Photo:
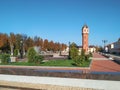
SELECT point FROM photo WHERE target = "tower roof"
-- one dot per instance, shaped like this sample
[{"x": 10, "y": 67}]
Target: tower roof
[{"x": 85, "y": 26}]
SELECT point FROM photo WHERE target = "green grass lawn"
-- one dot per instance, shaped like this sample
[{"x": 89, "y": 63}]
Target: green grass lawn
[
  {"x": 68, "y": 63},
  {"x": 62, "y": 63}
]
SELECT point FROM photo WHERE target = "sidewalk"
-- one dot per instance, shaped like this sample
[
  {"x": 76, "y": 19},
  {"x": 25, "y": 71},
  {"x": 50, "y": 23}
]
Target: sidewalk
[
  {"x": 52, "y": 83},
  {"x": 102, "y": 64}
]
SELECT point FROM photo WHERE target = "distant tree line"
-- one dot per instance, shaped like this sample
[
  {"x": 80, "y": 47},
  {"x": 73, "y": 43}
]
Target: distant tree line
[{"x": 8, "y": 41}]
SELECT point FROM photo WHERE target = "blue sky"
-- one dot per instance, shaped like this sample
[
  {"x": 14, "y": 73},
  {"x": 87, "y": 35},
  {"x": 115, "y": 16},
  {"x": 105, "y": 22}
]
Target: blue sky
[{"x": 62, "y": 20}]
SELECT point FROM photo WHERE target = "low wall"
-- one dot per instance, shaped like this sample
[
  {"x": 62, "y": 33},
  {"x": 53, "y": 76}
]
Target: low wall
[{"x": 62, "y": 73}]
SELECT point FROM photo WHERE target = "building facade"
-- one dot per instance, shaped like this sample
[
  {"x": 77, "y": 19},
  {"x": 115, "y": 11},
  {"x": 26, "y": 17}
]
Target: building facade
[
  {"x": 91, "y": 49},
  {"x": 113, "y": 47}
]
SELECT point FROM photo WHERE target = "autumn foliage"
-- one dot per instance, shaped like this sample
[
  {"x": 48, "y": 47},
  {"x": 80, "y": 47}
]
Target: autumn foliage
[{"x": 8, "y": 41}]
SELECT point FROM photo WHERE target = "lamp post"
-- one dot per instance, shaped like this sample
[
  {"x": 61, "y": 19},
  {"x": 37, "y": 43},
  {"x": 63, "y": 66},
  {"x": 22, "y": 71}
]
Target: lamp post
[
  {"x": 60, "y": 49},
  {"x": 69, "y": 51},
  {"x": 104, "y": 41},
  {"x": 21, "y": 49},
  {"x": 12, "y": 47}
]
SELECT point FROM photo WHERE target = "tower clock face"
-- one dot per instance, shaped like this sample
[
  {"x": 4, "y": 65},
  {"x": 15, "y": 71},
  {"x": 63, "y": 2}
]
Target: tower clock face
[{"x": 85, "y": 31}]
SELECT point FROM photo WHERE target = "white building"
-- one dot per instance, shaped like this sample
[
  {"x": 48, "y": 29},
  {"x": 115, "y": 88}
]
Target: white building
[
  {"x": 91, "y": 48},
  {"x": 114, "y": 47}
]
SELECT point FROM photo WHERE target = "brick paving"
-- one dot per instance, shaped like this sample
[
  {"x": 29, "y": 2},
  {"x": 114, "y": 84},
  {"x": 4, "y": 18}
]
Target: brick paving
[
  {"x": 102, "y": 65},
  {"x": 97, "y": 55}
]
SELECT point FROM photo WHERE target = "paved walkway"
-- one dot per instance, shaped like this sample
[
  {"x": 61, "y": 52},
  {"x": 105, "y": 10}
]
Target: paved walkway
[
  {"x": 68, "y": 83},
  {"x": 102, "y": 64}
]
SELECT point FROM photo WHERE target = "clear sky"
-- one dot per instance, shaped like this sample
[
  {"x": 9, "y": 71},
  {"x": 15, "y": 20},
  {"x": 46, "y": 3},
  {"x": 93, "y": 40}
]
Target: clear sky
[{"x": 62, "y": 20}]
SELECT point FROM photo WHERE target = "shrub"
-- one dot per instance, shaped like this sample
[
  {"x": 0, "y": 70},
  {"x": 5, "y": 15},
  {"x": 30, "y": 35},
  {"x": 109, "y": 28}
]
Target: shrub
[
  {"x": 31, "y": 54},
  {"x": 78, "y": 60},
  {"x": 82, "y": 52},
  {"x": 87, "y": 57},
  {"x": 73, "y": 52},
  {"x": 90, "y": 54},
  {"x": 0, "y": 56},
  {"x": 38, "y": 59},
  {"x": 5, "y": 58},
  {"x": 15, "y": 52}
]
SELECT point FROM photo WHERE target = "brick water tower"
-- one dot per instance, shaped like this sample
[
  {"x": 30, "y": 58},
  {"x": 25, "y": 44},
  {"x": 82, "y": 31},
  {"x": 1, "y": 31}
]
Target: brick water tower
[{"x": 85, "y": 32}]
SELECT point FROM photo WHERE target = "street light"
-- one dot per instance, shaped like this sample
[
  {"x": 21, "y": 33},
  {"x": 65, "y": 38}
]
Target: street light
[
  {"x": 60, "y": 47},
  {"x": 12, "y": 47},
  {"x": 69, "y": 51},
  {"x": 21, "y": 49},
  {"x": 104, "y": 41}
]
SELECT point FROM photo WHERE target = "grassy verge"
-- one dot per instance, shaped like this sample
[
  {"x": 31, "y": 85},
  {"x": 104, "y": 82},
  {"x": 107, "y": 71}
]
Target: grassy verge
[{"x": 63, "y": 63}]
